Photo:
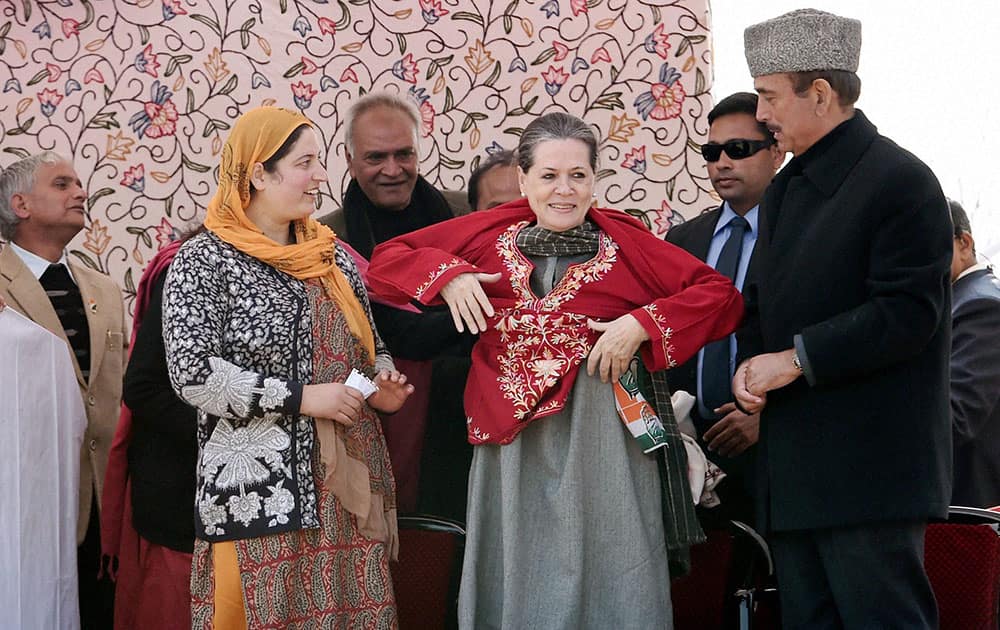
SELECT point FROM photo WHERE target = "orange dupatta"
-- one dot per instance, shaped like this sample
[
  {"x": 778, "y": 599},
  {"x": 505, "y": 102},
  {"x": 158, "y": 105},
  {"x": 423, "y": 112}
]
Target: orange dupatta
[{"x": 254, "y": 138}]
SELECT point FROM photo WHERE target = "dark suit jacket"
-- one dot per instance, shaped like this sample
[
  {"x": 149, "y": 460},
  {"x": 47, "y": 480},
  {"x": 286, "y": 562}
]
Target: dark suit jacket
[
  {"x": 975, "y": 388},
  {"x": 695, "y": 236},
  {"x": 854, "y": 255}
]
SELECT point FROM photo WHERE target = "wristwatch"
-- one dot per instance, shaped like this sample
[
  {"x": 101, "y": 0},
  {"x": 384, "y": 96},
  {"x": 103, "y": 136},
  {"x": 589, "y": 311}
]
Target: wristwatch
[{"x": 796, "y": 362}]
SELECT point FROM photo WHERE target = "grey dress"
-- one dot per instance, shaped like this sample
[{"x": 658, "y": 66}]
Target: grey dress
[{"x": 565, "y": 528}]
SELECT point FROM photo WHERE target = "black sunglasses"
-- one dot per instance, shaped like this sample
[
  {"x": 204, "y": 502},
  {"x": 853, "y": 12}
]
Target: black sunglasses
[{"x": 736, "y": 149}]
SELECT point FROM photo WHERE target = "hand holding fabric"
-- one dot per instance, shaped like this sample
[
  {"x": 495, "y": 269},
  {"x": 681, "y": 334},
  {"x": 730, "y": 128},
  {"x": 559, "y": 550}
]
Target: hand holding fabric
[
  {"x": 616, "y": 346},
  {"x": 468, "y": 302},
  {"x": 734, "y": 433},
  {"x": 393, "y": 390},
  {"x": 332, "y": 401}
]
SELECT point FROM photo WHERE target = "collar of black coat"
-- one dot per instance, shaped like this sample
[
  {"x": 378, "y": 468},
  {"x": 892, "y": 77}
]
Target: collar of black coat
[
  {"x": 369, "y": 225},
  {"x": 828, "y": 162}
]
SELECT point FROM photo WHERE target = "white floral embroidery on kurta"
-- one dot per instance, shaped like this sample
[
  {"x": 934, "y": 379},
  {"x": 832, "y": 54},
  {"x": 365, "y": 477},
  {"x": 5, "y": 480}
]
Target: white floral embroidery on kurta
[
  {"x": 212, "y": 515},
  {"x": 273, "y": 394},
  {"x": 227, "y": 387},
  {"x": 238, "y": 451},
  {"x": 279, "y": 505},
  {"x": 244, "y": 507}
]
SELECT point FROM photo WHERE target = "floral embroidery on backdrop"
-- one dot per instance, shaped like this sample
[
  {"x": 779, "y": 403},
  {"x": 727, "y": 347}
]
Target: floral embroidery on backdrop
[{"x": 141, "y": 93}]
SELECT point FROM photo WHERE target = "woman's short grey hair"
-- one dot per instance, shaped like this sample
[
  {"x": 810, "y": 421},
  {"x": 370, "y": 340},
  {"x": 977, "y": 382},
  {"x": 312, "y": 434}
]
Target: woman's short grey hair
[
  {"x": 554, "y": 126},
  {"x": 374, "y": 100},
  {"x": 17, "y": 178}
]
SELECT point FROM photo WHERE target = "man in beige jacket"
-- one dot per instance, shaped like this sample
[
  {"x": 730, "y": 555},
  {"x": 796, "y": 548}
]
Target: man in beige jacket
[{"x": 42, "y": 208}]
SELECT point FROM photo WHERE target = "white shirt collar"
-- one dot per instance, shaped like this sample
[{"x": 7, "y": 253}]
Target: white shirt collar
[
  {"x": 974, "y": 268},
  {"x": 36, "y": 264}
]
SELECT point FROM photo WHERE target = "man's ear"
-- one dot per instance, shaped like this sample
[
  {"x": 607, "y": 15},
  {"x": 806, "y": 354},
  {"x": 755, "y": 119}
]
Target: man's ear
[
  {"x": 968, "y": 245},
  {"x": 350, "y": 164},
  {"x": 825, "y": 96},
  {"x": 20, "y": 206},
  {"x": 777, "y": 157}
]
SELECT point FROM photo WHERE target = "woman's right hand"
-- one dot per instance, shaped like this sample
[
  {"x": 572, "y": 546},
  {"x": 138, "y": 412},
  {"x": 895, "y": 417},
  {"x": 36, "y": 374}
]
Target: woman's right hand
[
  {"x": 332, "y": 401},
  {"x": 467, "y": 301}
]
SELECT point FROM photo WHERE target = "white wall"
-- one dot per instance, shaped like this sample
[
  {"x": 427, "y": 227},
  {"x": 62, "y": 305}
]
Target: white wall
[{"x": 930, "y": 81}]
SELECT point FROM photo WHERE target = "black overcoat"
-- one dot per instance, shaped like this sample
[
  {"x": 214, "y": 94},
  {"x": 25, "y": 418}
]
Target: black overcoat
[{"x": 854, "y": 255}]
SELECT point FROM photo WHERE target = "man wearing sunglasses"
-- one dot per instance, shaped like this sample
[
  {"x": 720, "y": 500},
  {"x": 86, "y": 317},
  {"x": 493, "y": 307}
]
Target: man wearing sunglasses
[
  {"x": 975, "y": 370},
  {"x": 850, "y": 308},
  {"x": 741, "y": 158}
]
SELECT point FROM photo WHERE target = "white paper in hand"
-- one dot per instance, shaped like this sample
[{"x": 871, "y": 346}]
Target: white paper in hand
[{"x": 362, "y": 383}]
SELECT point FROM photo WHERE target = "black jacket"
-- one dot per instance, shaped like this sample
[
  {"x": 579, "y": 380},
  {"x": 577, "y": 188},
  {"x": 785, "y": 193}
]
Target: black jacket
[
  {"x": 164, "y": 449},
  {"x": 975, "y": 388},
  {"x": 854, "y": 255}
]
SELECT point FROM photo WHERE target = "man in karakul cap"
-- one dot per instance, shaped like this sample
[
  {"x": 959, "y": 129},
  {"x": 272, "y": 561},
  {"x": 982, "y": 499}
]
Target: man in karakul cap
[{"x": 849, "y": 339}]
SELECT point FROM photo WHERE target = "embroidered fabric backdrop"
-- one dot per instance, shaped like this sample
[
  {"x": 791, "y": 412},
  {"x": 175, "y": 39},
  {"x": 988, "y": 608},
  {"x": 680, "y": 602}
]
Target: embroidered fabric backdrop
[{"x": 141, "y": 93}]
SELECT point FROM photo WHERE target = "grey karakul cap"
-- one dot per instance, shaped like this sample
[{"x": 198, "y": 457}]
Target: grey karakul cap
[{"x": 802, "y": 41}]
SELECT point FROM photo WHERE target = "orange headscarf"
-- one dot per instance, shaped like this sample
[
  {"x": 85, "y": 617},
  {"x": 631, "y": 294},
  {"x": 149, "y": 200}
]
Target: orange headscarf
[{"x": 255, "y": 138}]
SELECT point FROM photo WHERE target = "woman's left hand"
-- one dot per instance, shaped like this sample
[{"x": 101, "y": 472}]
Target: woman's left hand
[
  {"x": 393, "y": 391},
  {"x": 615, "y": 348}
]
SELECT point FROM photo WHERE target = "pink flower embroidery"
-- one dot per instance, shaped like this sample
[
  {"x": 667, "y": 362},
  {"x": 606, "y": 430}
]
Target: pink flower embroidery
[
  {"x": 302, "y": 94},
  {"x": 327, "y": 26},
  {"x": 666, "y": 218},
  {"x": 308, "y": 65},
  {"x": 70, "y": 27},
  {"x": 601, "y": 54},
  {"x": 49, "y": 99},
  {"x": 656, "y": 42},
  {"x": 636, "y": 160},
  {"x": 663, "y": 100},
  {"x": 172, "y": 8},
  {"x": 146, "y": 61},
  {"x": 135, "y": 178},
  {"x": 93, "y": 76},
  {"x": 165, "y": 233},
  {"x": 158, "y": 117},
  {"x": 406, "y": 69},
  {"x": 431, "y": 10},
  {"x": 54, "y": 72},
  {"x": 554, "y": 79},
  {"x": 578, "y": 6},
  {"x": 561, "y": 50}
]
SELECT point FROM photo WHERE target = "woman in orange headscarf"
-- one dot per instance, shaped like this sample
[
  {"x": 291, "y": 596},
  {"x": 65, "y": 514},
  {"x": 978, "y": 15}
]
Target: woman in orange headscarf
[{"x": 265, "y": 318}]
